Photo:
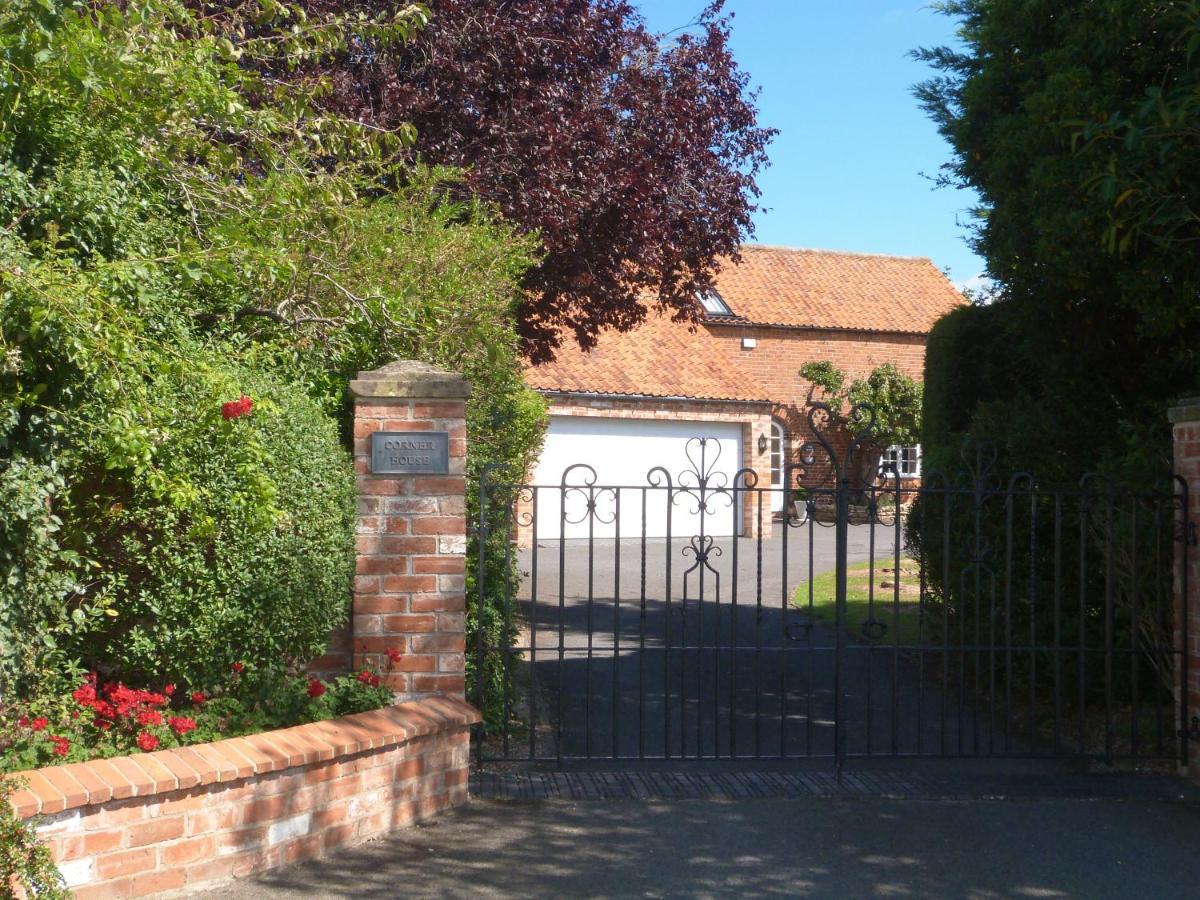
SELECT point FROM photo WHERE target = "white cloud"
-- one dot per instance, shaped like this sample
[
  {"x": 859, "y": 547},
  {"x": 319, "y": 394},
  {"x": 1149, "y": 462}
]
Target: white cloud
[{"x": 978, "y": 283}]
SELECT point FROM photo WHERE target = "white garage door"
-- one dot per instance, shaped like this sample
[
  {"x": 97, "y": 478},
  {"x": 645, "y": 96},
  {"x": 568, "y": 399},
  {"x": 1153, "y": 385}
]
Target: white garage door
[{"x": 622, "y": 452}]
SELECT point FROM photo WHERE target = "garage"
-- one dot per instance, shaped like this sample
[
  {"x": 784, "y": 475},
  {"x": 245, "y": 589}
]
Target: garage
[{"x": 622, "y": 451}]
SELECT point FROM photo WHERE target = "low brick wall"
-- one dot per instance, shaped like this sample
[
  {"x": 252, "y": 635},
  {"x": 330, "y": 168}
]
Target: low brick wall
[{"x": 196, "y": 816}]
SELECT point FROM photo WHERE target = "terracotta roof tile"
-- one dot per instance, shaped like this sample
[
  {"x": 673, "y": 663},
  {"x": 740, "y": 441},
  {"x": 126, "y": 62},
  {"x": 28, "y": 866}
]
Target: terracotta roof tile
[
  {"x": 771, "y": 286},
  {"x": 659, "y": 358},
  {"x": 830, "y": 289}
]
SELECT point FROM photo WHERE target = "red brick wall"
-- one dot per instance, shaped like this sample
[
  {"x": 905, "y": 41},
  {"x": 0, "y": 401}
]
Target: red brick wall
[
  {"x": 780, "y": 352},
  {"x": 193, "y": 817},
  {"x": 1186, "y": 419},
  {"x": 410, "y": 570},
  {"x": 410, "y": 574}
]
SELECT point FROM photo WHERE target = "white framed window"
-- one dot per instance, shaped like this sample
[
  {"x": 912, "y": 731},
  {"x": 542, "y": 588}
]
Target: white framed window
[
  {"x": 776, "y": 454},
  {"x": 714, "y": 304},
  {"x": 778, "y": 467},
  {"x": 904, "y": 458}
]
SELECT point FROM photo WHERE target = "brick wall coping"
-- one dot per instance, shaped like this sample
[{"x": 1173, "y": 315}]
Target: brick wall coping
[
  {"x": 56, "y": 788},
  {"x": 409, "y": 378},
  {"x": 1186, "y": 410}
]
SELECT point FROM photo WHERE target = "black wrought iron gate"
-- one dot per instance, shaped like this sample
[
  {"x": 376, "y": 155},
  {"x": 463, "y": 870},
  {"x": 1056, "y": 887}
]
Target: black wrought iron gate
[{"x": 874, "y": 615}]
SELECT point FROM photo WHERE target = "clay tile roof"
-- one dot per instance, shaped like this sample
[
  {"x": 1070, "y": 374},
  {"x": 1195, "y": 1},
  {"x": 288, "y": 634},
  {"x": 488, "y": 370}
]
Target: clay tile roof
[
  {"x": 659, "y": 358},
  {"x": 832, "y": 289},
  {"x": 770, "y": 286}
]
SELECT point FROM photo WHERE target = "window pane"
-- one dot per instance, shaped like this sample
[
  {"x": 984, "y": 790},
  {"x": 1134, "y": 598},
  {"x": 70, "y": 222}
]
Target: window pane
[{"x": 713, "y": 304}]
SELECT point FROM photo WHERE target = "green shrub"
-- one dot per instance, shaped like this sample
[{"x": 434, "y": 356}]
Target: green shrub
[
  {"x": 148, "y": 537},
  {"x": 173, "y": 224},
  {"x": 256, "y": 568},
  {"x": 25, "y": 862},
  {"x": 993, "y": 426}
]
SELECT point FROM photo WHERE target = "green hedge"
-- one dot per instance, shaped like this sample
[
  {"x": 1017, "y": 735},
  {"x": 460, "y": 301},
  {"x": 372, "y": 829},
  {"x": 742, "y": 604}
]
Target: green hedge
[
  {"x": 149, "y": 537},
  {"x": 258, "y": 568},
  {"x": 994, "y": 420}
]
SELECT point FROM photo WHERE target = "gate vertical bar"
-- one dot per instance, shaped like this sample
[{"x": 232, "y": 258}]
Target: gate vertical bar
[
  {"x": 591, "y": 585},
  {"x": 808, "y": 630},
  {"x": 783, "y": 649},
  {"x": 868, "y": 650},
  {"x": 1133, "y": 631},
  {"x": 616, "y": 670},
  {"x": 1158, "y": 592},
  {"x": 1033, "y": 668},
  {"x": 1058, "y": 570},
  {"x": 667, "y": 637},
  {"x": 505, "y": 648},
  {"x": 533, "y": 634},
  {"x": 839, "y": 639},
  {"x": 758, "y": 616},
  {"x": 897, "y": 540},
  {"x": 1109, "y": 570},
  {"x": 1185, "y": 539},
  {"x": 642, "y": 641},
  {"x": 738, "y": 519},
  {"x": 562, "y": 616},
  {"x": 480, "y": 630}
]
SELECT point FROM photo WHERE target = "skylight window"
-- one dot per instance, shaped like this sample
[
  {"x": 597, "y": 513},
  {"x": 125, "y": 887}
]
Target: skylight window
[{"x": 713, "y": 304}]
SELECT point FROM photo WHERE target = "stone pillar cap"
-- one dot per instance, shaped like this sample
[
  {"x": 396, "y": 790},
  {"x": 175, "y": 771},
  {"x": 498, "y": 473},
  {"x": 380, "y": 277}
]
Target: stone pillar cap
[
  {"x": 1186, "y": 409},
  {"x": 409, "y": 378}
]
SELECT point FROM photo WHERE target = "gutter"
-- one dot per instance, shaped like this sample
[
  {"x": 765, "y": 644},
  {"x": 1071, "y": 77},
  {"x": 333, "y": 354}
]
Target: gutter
[{"x": 601, "y": 395}]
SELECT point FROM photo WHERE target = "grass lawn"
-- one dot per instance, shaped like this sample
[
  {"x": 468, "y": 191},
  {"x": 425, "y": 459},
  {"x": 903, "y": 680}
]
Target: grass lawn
[{"x": 858, "y": 579}]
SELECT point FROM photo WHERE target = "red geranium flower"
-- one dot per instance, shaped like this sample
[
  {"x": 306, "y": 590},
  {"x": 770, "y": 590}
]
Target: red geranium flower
[
  {"x": 146, "y": 741},
  {"x": 199, "y": 698},
  {"x": 169, "y": 690},
  {"x": 181, "y": 725},
  {"x": 368, "y": 677},
  {"x": 238, "y": 668},
  {"x": 61, "y": 745},
  {"x": 237, "y": 408},
  {"x": 103, "y": 709},
  {"x": 23, "y": 722},
  {"x": 40, "y": 723},
  {"x": 394, "y": 654},
  {"x": 315, "y": 687},
  {"x": 86, "y": 692},
  {"x": 150, "y": 717}
]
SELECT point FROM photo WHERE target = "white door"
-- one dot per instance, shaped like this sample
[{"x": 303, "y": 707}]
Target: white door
[{"x": 621, "y": 453}]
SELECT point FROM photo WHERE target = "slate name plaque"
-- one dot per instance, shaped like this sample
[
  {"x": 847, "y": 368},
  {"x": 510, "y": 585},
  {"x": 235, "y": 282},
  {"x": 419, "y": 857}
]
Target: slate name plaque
[{"x": 410, "y": 453}]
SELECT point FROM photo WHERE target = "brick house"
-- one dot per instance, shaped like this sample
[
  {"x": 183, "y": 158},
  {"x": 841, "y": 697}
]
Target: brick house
[{"x": 632, "y": 402}]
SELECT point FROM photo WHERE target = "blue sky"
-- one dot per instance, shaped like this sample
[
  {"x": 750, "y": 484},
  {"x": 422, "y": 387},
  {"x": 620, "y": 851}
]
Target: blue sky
[{"x": 846, "y": 167}]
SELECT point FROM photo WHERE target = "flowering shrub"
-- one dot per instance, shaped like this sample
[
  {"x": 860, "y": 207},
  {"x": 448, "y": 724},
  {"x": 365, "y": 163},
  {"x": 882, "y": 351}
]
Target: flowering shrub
[
  {"x": 237, "y": 408},
  {"x": 102, "y": 719}
]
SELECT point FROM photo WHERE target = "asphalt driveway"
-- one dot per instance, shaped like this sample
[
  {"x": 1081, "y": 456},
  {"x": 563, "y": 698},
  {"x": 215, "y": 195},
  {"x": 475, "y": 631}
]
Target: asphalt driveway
[
  {"x": 1050, "y": 848},
  {"x": 770, "y": 568},
  {"x": 624, "y": 660}
]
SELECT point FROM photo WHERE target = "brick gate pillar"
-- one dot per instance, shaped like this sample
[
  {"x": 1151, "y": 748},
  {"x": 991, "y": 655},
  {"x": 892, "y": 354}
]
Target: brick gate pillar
[
  {"x": 409, "y": 590},
  {"x": 1185, "y": 421}
]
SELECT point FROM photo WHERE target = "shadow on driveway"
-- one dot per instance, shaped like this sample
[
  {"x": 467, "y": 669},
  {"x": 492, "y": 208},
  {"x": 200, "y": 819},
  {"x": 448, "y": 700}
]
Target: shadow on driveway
[{"x": 820, "y": 848}]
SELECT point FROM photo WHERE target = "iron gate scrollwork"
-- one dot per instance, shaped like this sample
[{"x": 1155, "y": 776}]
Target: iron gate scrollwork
[{"x": 974, "y": 612}]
